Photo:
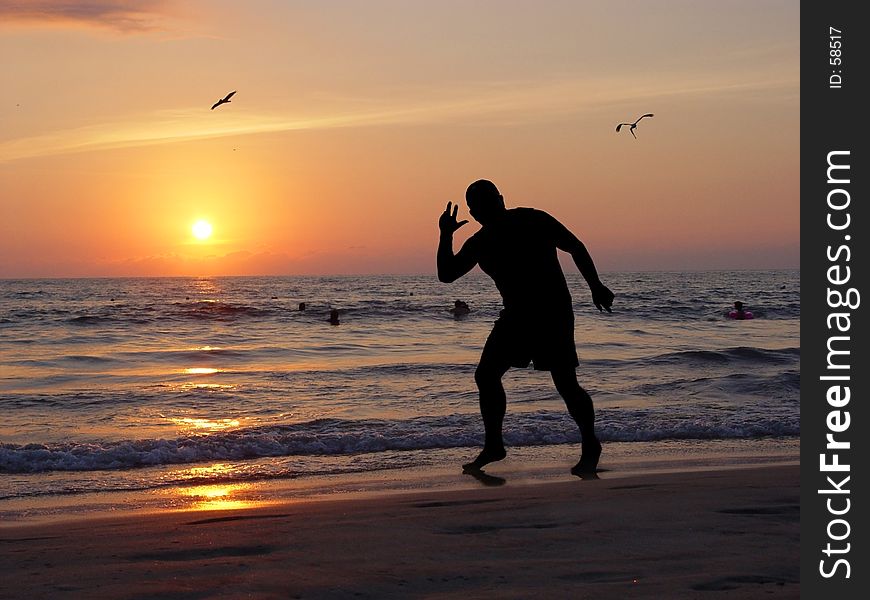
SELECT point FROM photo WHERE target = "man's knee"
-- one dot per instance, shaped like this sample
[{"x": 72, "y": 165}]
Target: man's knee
[
  {"x": 487, "y": 375},
  {"x": 566, "y": 381}
]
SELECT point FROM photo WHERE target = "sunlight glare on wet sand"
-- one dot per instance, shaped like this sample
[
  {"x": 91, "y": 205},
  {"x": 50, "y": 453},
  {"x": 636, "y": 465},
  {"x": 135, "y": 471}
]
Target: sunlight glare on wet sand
[{"x": 216, "y": 497}]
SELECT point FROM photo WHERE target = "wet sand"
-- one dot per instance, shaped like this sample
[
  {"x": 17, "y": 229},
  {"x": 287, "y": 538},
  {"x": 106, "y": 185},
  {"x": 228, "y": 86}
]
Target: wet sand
[{"x": 694, "y": 534}]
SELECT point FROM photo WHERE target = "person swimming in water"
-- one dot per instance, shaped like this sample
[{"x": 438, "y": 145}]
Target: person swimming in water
[
  {"x": 517, "y": 248},
  {"x": 460, "y": 309},
  {"x": 739, "y": 313},
  {"x": 333, "y": 317}
]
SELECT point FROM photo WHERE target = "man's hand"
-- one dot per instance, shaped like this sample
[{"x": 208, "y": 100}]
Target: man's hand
[
  {"x": 447, "y": 223},
  {"x": 602, "y": 297}
]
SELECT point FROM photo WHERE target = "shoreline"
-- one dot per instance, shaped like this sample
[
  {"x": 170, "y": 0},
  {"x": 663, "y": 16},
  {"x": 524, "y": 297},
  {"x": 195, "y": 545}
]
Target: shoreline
[
  {"x": 435, "y": 471},
  {"x": 669, "y": 535}
]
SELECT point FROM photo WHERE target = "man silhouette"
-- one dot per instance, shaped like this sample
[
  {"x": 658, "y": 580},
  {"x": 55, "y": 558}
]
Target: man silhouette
[{"x": 517, "y": 248}]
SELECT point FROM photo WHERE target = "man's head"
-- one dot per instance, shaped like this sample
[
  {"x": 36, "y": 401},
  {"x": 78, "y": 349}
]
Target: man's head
[{"x": 484, "y": 202}]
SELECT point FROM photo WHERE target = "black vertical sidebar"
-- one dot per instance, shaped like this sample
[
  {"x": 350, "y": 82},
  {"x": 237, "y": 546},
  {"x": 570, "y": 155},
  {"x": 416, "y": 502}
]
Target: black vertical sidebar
[{"x": 835, "y": 433}]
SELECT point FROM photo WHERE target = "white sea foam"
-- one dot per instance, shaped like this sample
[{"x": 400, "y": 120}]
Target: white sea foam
[{"x": 335, "y": 437}]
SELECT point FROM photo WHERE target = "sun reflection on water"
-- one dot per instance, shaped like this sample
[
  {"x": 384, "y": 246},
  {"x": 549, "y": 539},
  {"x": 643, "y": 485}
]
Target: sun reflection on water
[
  {"x": 204, "y": 386},
  {"x": 205, "y": 424},
  {"x": 205, "y": 286},
  {"x": 201, "y": 371}
]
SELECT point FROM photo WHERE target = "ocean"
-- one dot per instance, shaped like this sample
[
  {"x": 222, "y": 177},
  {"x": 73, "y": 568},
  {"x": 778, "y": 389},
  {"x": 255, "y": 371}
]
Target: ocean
[{"x": 122, "y": 385}]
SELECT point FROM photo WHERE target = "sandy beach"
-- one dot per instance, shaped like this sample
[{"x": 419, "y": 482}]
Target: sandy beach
[{"x": 719, "y": 533}]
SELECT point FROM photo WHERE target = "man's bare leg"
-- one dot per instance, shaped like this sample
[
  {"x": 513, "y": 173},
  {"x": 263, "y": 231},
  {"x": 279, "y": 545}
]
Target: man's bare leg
[
  {"x": 580, "y": 408},
  {"x": 493, "y": 404}
]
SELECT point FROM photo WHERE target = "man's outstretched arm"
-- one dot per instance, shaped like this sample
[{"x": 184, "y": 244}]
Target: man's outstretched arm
[
  {"x": 602, "y": 297},
  {"x": 452, "y": 266}
]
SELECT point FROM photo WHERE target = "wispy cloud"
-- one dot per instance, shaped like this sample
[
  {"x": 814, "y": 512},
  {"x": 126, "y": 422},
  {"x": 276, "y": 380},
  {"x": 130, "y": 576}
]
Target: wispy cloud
[
  {"x": 120, "y": 15},
  {"x": 494, "y": 104}
]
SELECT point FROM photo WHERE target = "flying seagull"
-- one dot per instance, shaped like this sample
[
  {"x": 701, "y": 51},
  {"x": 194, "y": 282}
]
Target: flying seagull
[
  {"x": 631, "y": 126},
  {"x": 223, "y": 100}
]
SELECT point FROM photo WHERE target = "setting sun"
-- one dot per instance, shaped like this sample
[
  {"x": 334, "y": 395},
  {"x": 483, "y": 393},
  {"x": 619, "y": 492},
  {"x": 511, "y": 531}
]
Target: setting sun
[{"x": 201, "y": 230}]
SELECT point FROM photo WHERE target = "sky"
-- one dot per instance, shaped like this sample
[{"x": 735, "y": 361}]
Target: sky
[{"x": 354, "y": 123}]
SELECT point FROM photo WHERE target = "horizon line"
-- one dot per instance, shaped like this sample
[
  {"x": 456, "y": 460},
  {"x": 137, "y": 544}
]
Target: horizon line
[{"x": 348, "y": 275}]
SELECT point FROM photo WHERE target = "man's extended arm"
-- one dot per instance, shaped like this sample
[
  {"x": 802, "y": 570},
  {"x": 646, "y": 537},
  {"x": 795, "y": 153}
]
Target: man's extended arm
[
  {"x": 602, "y": 297},
  {"x": 452, "y": 266}
]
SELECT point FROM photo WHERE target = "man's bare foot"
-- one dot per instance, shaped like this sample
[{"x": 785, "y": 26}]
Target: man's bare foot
[
  {"x": 484, "y": 458},
  {"x": 589, "y": 458}
]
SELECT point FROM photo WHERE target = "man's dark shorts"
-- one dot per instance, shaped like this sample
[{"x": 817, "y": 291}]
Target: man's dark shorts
[{"x": 547, "y": 342}]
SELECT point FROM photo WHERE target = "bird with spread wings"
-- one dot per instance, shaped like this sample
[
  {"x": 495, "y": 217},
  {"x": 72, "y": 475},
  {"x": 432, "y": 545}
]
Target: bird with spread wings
[
  {"x": 632, "y": 126},
  {"x": 223, "y": 100}
]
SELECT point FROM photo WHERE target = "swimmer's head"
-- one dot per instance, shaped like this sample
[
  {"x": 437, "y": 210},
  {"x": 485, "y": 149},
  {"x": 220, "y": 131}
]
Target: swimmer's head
[
  {"x": 738, "y": 305},
  {"x": 484, "y": 201}
]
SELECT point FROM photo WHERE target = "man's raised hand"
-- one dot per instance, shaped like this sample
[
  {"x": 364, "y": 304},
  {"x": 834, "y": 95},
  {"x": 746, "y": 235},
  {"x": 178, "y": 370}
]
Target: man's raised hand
[{"x": 447, "y": 223}]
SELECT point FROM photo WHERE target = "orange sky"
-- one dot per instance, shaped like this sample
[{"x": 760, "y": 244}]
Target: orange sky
[{"x": 355, "y": 123}]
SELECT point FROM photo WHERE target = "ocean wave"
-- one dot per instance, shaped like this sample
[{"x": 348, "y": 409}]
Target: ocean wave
[
  {"x": 215, "y": 310},
  {"x": 727, "y": 388},
  {"x": 280, "y": 315},
  {"x": 108, "y": 318},
  {"x": 330, "y": 437},
  {"x": 782, "y": 386},
  {"x": 221, "y": 311},
  {"x": 88, "y": 320},
  {"x": 729, "y": 355}
]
